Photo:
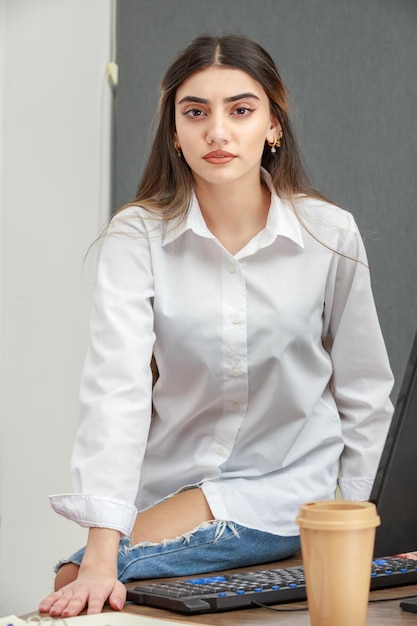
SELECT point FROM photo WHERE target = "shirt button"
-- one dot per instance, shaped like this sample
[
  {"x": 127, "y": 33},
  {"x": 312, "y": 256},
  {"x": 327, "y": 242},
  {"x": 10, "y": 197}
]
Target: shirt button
[
  {"x": 221, "y": 451},
  {"x": 235, "y": 319},
  {"x": 232, "y": 268},
  {"x": 236, "y": 371},
  {"x": 236, "y": 406}
]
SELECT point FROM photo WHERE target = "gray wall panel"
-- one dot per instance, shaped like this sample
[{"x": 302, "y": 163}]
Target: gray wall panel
[{"x": 350, "y": 67}]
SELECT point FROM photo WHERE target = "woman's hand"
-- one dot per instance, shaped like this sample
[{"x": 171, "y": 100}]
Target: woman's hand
[
  {"x": 92, "y": 588},
  {"x": 93, "y": 583}
]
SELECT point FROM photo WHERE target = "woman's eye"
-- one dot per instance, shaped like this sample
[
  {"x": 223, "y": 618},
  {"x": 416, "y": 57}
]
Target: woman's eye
[
  {"x": 242, "y": 111},
  {"x": 194, "y": 113}
]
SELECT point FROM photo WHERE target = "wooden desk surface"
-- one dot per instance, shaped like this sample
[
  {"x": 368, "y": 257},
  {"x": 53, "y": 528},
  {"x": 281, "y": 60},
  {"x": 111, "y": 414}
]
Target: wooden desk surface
[{"x": 383, "y": 613}]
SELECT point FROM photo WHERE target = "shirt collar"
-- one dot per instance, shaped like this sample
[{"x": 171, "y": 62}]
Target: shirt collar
[{"x": 281, "y": 222}]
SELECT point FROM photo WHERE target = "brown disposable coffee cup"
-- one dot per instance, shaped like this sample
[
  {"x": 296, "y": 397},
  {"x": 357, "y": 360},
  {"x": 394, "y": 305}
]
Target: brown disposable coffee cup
[{"x": 337, "y": 542}]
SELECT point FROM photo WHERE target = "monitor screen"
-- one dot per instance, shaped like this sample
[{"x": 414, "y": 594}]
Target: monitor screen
[{"x": 395, "y": 487}]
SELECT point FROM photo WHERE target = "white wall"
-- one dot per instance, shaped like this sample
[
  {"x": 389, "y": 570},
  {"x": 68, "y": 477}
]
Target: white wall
[{"x": 54, "y": 174}]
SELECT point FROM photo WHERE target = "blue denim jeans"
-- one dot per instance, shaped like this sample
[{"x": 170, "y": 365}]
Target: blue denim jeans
[{"x": 212, "y": 546}]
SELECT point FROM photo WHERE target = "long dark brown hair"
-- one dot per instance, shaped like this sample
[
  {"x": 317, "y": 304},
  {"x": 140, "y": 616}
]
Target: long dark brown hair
[{"x": 166, "y": 183}]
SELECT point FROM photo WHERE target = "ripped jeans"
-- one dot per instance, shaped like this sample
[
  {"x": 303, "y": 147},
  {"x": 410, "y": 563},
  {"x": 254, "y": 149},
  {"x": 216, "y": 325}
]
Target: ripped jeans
[{"x": 210, "y": 547}]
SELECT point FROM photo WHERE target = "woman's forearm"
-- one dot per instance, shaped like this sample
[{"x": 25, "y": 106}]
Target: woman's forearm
[{"x": 101, "y": 550}]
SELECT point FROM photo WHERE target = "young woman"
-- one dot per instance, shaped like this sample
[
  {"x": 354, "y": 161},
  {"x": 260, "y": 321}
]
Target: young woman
[{"x": 251, "y": 294}]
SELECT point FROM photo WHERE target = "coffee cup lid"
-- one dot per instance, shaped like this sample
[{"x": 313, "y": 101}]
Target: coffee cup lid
[{"x": 338, "y": 515}]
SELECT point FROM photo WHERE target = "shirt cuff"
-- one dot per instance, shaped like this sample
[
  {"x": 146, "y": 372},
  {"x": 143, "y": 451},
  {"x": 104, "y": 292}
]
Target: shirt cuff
[
  {"x": 358, "y": 489},
  {"x": 95, "y": 511}
]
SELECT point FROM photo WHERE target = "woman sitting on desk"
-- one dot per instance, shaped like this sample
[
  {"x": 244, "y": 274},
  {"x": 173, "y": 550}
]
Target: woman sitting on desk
[{"x": 252, "y": 293}]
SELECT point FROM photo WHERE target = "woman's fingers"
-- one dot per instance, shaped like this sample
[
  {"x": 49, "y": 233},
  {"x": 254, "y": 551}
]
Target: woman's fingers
[
  {"x": 91, "y": 593},
  {"x": 49, "y": 601},
  {"x": 66, "y": 601},
  {"x": 117, "y": 597}
]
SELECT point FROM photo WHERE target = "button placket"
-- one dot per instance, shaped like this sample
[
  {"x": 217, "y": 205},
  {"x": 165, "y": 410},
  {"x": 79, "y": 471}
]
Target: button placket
[{"x": 234, "y": 358}]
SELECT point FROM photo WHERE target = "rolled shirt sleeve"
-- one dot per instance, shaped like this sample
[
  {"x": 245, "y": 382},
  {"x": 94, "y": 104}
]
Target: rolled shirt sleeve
[
  {"x": 362, "y": 379},
  {"x": 115, "y": 393}
]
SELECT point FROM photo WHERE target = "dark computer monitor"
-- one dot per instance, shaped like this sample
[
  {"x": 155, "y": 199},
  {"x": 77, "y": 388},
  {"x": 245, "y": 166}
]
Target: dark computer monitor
[{"x": 395, "y": 487}]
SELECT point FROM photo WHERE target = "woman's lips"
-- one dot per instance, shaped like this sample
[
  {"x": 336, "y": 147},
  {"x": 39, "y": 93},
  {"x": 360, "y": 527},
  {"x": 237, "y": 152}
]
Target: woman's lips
[{"x": 218, "y": 157}]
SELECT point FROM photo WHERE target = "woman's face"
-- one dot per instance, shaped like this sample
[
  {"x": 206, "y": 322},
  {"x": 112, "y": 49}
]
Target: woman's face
[{"x": 223, "y": 119}]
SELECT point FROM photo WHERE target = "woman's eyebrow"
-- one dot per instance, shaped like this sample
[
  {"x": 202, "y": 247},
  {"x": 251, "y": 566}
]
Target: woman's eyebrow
[
  {"x": 239, "y": 96},
  {"x": 242, "y": 96}
]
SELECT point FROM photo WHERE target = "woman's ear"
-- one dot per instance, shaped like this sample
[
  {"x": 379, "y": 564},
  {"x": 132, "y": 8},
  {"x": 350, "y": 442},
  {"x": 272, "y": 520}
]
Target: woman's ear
[
  {"x": 175, "y": 141},
  {"x": 274, "y": 130},
  {"x": 177, "y": 144}
]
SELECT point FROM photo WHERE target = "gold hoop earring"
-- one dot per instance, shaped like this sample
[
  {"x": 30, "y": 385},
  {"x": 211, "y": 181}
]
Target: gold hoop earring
[
  {"x": 178, "y": 149},
  {"x": 276, "y": 143}
]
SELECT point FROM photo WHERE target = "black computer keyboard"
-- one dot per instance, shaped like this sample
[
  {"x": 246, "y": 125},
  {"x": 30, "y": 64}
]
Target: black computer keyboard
[{"x": 226, "y": 592}]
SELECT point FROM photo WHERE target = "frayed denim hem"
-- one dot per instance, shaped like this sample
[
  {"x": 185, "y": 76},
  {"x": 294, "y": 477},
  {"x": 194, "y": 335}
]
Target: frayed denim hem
[{"x": 211, "y": 546}]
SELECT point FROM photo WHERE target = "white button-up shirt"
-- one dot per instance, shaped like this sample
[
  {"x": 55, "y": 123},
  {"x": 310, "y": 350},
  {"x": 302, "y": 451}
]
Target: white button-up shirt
[{"x": 273, "y": 374}]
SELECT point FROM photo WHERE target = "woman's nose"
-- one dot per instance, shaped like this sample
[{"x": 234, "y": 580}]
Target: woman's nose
[{"x": 218, "y": 132}]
